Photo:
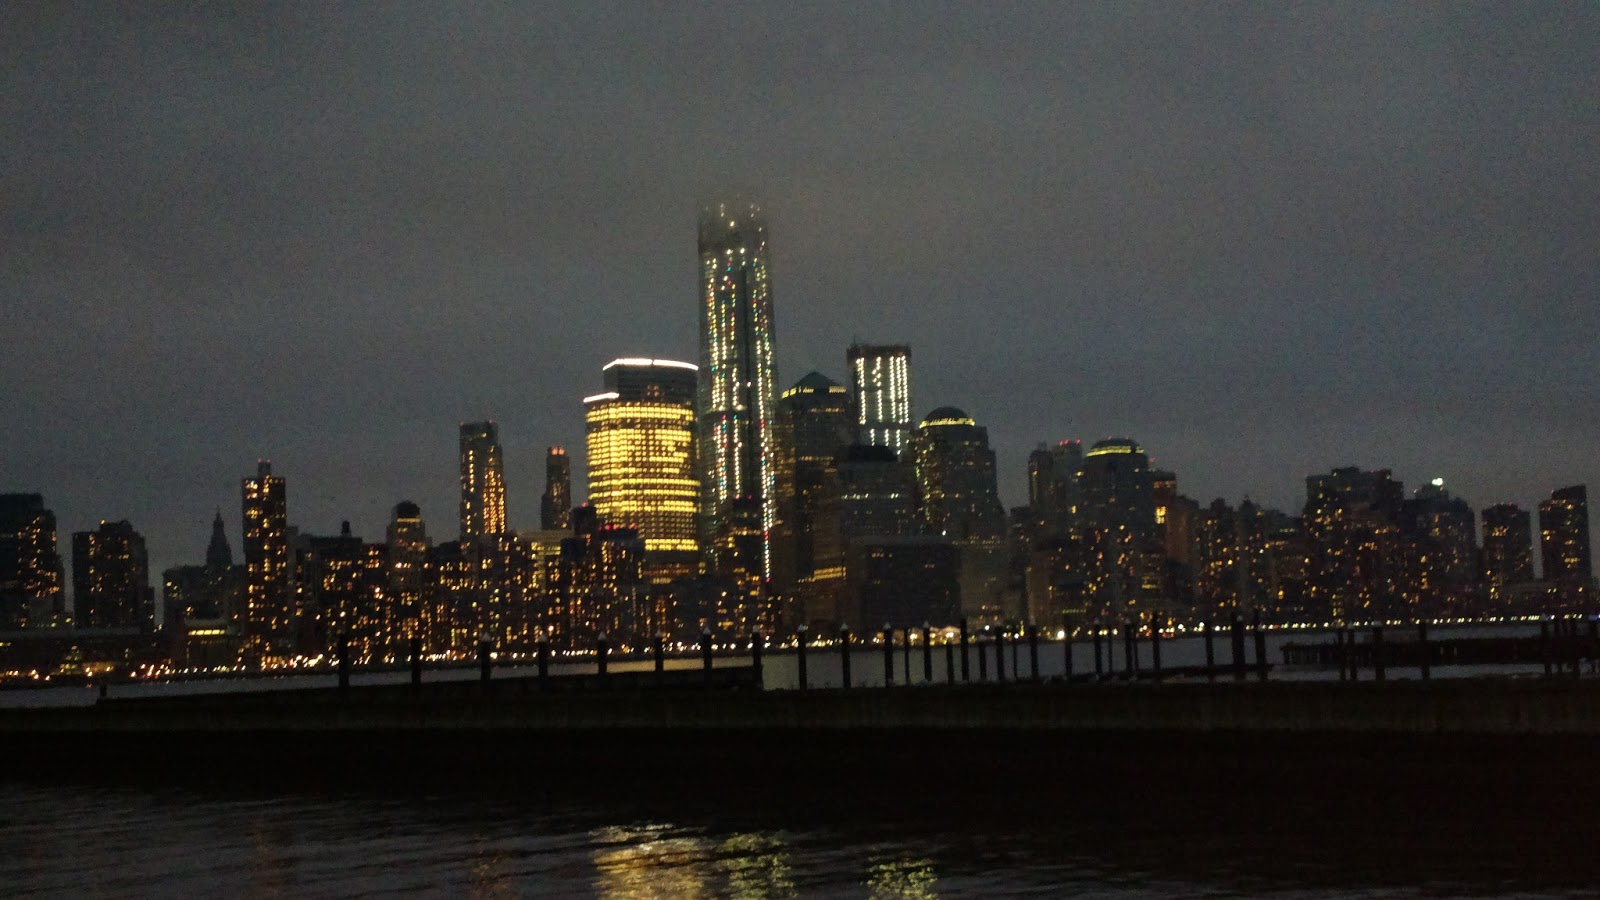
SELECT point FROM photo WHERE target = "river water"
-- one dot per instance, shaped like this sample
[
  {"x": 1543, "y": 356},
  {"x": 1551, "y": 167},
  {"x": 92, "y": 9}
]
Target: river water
[{"x": 85, "y": 841}]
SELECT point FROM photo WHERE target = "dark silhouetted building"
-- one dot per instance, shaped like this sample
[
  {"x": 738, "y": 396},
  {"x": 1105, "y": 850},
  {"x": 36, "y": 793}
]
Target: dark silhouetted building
[
  {"x": 30, "y": 564},
  {"x": 816, "y": 422},
  {"x": 111, "y": 579},
  {"x": 555, "y": 506},
  {"x": 903, "y": 581},
  {"x": 957, "y": 499},
  {"x": 1507, "y": 552},
  {"x": 407, "y": 571},
  {"x": 1356, "y": 562},
  {"x": 1564, "y": 546}
]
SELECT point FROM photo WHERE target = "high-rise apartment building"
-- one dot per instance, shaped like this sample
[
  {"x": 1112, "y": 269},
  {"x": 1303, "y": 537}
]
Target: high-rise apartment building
[
  {"x": 737, "y": 390},
  {"x": 1564, "y": 544},
  {"x": 1507, "y": 549},
  {"x": 555, "y": 507},
  {"x": 268, "y": 615},
  {"x": 111, "y": 579},
  {"x": 641, "y": 453},
  {"x": 483, "y": 481},
  {"x": 880, "y": 376},
  {"x": 30, "y": 564}
]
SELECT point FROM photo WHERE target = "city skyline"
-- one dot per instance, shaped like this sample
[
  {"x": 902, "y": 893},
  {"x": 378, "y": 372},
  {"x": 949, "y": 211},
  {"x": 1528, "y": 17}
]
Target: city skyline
[{"x": 1257, "y": 269}]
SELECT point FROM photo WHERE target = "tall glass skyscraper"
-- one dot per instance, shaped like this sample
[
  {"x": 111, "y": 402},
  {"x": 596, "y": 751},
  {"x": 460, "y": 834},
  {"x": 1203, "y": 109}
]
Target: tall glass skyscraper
[
  {"x": 737, "y": 393},
  {"x": 881, "y": 377}
]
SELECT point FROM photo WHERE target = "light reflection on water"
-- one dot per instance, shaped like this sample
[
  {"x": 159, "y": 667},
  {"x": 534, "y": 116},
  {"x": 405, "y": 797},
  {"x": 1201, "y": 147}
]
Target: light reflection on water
[{"x": 93, "y": 841}]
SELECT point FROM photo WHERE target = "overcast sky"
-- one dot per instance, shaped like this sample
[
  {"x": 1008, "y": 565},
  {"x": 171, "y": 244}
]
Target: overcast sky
[{"x": 1263, "y": 240}]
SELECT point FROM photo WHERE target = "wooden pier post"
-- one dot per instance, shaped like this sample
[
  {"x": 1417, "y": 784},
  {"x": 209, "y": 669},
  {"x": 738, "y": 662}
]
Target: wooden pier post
[
  {"x": 844, "y": 654},
  {"x": 966, "y": 672},
  {"x": 1263, "y": 666},
  {"x": 927, "y": 653},
  {"x": 1099, "y": 668},
  {"x": 983, "y": 656},
  {"x": 661, "y": 658},
  {"x": 1209, "y": 630},
  {"x": 1424, "y": 651},
  {"x": 800, "y": 656},
  {"x": 544, "y": 660},
  {"x": 1155, "y": 646},
  {"x": 344, "y": 663},
  {"x": 1379, "y": 662},
  {"x": 705, "y": 653},
  {"x": 1130, "y": 651},
  {"x": 888, "y": 655},
  {"x": 1237, "y": 640},
  {"x": 416, "y": 661},
  {"x": 483, "y": 658},
  {"x": 756, "y": 642}
]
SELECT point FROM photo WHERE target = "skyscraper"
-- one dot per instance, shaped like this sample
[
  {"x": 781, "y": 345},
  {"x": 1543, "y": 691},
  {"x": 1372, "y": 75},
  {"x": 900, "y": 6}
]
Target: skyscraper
[
  {"x": 1507, "y": 549},
  {"x": 555, "y": 507},
  {"x": 30, "y": 565},
  {"x": 1564, "y": 543},
  {"x": 642, "y": 471},
  {"x": 268, "y": 624},
  {"x": 817, "y": 422},
  {"x": 111, "y": 579},
  {"x": 957, "y": 499},
  {"x": 737, "y": 392},
  {"x": 880, "y": 375},
  {"x": 483, "y": 481}
]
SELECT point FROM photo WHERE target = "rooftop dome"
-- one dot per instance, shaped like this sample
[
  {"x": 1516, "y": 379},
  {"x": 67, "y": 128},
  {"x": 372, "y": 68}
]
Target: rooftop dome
[{"x": 947, "y": 415}]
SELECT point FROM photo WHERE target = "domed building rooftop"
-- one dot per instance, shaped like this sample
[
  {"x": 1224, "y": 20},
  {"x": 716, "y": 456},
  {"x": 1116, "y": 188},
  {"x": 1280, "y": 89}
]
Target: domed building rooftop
[
  {"x": 1114, "y": 445},
  {"x": 947, "y": 415}
]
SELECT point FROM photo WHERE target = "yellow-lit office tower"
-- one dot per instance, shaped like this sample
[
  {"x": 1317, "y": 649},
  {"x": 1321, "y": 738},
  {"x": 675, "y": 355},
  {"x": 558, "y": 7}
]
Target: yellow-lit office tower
[
  {"x": 881, "y": 378},
  {"x": 642, "y": 467},
  {"x": 737, "y": 393},
  {"x": 268, "y": 624},
  {"x": 483, "y": 481}
]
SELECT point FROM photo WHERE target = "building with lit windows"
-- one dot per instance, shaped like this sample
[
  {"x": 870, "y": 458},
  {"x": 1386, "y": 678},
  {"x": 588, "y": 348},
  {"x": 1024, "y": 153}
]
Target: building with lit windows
[
  {"x": 1356, "y": 561},
  {"x": 957, "y": 499},
  {"x": 1564, "y": 546},
  {"x": 737, "y": 391},
  {"x": 340, "y": 582},
  {"x": 268, "y": 614},
  {"x": 483, "y": 481},
  {"x": 1507, "y": 551},
  {"x": 555, "y": 506},
  {"x": 880, "y": 378},
  {"x": 642, "y": 470},
  {"x": 30, "y": 564},
  {"x": 816, "y": 420},
  {"x": 111, "y": 579},
  {"x": 406, "y": 561}
]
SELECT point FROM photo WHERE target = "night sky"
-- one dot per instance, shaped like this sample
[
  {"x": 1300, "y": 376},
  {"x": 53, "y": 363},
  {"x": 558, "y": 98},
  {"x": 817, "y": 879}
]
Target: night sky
[{"x": 1262, "y": 240}]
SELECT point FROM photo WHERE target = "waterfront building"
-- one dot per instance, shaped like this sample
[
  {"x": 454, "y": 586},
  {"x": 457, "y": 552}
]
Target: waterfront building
[
  {"x": 1507, "y": 552},
  {"x": 957, "y": 499},
  {"x": 483, "y": 481},
  {"x": 340, "y": 585},
  {"x": 30, "y": 564},
  {"x": 1564, "y": 547},
  {"x": 555, "y": 506},
  {"x": 1356, "y": 565},
  {"x": 111, "y": 579},
  {"x": 736, "y": 408},
  {"x": 268, "y": 616},
  {"x": 880, "y": 378},
  {"x": 903, "y": 581},
  {"x": 642, "y": 471},
  {"x": 406, "y": 563},
  {"x": 817, "y": 421}
]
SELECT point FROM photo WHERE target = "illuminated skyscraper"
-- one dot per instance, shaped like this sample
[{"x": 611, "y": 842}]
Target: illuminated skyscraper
[
  {"x": 407, "y": 560},
  {"x": 642, "y": 471},
  {"x": 30, "y": 565},
  {"x": 881, "y": 378},
  {"x": 483, "y": 481},
  {"x": 268, "y": 609},
  {"x": 1564, "y": 544},
  {"x": 737, "y": 390},
  {"x": 555, "y": 507},
  {"x": 111, "y": 579}
]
